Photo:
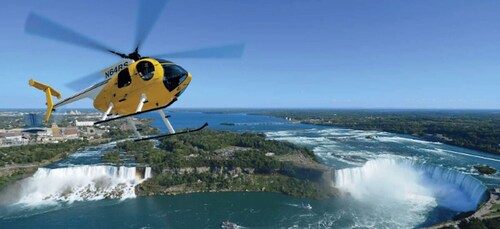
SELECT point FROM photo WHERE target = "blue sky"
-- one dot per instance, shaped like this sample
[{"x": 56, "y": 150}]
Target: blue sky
[{"x": 299, "y": 53}]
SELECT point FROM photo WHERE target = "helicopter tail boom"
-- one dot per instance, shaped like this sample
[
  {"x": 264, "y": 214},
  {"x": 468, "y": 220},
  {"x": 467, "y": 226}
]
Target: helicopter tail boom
[{"x": 49, "y": 92}]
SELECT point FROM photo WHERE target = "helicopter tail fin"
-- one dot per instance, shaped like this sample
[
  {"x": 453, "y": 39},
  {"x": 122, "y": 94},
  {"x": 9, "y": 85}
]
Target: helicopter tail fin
[{"x": 49, "y": 92}]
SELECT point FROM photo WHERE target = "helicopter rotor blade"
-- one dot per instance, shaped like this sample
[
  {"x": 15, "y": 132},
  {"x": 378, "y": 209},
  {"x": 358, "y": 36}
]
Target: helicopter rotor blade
[
  {"x": 147, "y": 15},
  {"x": 84, "y": 82},
  {"x": 223, "y": 51},
  {"x": 41, "y": 26}
]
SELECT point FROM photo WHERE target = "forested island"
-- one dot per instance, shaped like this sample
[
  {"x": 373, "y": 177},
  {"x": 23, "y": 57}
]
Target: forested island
[
  {"x": 479, "y": 130},
  {"x": 213, "y": 161}
]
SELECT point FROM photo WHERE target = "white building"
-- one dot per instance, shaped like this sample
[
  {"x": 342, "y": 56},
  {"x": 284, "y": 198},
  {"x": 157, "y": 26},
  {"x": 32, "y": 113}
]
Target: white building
[{"x": 83, "y": 123}]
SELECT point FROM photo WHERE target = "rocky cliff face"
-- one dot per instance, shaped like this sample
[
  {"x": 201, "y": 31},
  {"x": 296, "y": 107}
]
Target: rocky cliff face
[
  {"x": 302, "y": 178},
  {"x": 9, "y": 175},
  {"x": 318, "y": 173},
  {"x": 213, "y": 170}
]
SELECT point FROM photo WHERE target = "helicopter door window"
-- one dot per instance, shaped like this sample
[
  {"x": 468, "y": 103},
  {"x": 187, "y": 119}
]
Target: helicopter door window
[
  {"x": 146, "y": 70},
  {"x": 124, "y": 78}
]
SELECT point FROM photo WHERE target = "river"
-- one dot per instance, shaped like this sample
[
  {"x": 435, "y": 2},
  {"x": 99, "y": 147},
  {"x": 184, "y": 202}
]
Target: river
[{"x": 394, "y": 181}]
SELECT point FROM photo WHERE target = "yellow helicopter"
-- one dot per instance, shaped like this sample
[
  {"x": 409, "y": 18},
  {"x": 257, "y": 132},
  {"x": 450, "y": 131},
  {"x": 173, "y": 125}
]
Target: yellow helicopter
[{"x": 135, "y": 85}]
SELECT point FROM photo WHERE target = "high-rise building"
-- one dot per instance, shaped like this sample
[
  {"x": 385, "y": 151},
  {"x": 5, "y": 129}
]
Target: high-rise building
[{"x": 32, "y": 120}]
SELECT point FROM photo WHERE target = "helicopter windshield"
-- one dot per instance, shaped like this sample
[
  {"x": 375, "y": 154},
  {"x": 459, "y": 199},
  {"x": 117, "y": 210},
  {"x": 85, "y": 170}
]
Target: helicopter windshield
[
  {"x": 173, "y": 76},
  {"x": 146, "y": 70}
]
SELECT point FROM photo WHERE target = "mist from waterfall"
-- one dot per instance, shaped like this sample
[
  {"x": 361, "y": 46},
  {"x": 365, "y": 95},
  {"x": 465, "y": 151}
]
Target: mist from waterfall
[{"x": 405, "y": 181}]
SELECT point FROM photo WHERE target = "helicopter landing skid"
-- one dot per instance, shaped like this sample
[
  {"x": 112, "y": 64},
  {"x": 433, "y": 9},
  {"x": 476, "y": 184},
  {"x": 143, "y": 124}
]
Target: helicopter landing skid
[{"x": 171, "y": 134}]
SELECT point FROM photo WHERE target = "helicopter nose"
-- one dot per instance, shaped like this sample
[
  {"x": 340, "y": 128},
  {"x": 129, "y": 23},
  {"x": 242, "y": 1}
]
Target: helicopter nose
[{"x": 184, "y": 85}]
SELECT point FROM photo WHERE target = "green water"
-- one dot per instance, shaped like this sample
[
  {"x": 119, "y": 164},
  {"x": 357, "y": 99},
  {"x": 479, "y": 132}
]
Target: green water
[{"x": 197, "y": 210}]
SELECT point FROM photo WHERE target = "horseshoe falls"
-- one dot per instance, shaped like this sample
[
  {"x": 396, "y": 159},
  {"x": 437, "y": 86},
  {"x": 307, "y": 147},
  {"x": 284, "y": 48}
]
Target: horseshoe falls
[
  {"x": 408, "y": 181},
  {"x": 396, "y": 181}
]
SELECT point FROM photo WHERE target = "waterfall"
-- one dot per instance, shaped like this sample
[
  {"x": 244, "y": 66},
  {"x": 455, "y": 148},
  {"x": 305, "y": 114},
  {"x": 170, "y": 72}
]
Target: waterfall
[
  {"x": 407, "y": 180},
  {"x": 472, "y": 187},
  {"x": 147, "y": 173},
  {"x": 89, "y": 182}
]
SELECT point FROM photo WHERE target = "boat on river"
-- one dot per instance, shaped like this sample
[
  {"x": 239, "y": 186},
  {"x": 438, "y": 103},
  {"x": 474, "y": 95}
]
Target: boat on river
[
  {"x": 306, "y": 206},
  {"x": 229, "y": 225}
]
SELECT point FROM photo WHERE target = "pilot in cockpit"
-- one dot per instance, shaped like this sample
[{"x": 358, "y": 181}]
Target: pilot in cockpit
[{"x": 146, "y": 70}]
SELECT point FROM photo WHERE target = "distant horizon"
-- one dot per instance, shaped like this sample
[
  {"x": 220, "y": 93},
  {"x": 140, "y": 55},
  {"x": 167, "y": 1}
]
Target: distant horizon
[{"x": 282, "y": 108}]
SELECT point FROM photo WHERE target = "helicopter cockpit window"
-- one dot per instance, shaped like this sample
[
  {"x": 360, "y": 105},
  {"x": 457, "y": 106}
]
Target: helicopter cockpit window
[
  {"x": 124, "y": 78},
  {"x": 173, "y": 76},
  {"x": 146, "y": 70}
]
